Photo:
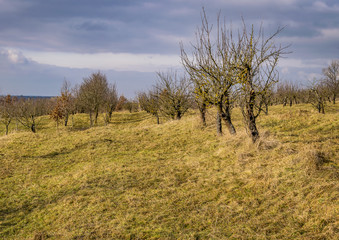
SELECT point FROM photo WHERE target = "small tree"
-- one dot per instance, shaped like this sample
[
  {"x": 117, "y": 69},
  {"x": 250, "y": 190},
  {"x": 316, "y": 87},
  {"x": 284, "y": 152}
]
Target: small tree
[
  {"x": 58, "y": 110},
  {"x": 174, "y": 95},
  {"x": 92, "y": 95},
  {"x": 111, "y": 101},
  {"x": 6, "y": 111},
  {"x": 331, "y": 79},
  {"x": 121, "y": 103},
  {"x": 317, "y": 95},
  {"x": 149, "y": 102},
  {"x": 29, "y": 111},
  {"x": 66, "y": 101}
]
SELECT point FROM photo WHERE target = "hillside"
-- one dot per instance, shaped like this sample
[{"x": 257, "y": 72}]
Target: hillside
[{"x": 134, "y": 179}]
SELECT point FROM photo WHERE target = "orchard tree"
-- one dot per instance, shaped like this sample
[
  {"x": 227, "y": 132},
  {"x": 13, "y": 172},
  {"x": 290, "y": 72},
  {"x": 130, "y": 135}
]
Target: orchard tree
[
  {"x": 210, "y": 67},
  {"x": 6, "y": 111},
  {"x": 66, "y": 101},
  {"x": 92, "y": 95},
  {"x": 173, "y": 94},
  {"x": 317, "y": 95},
  {"x": 149, "y": 102},
  {"x": 255, "y": 58},
  {"x": 28, "y": 112},
  {"x": 111, "y": 101},
  {"x": 331, "y": 79}
]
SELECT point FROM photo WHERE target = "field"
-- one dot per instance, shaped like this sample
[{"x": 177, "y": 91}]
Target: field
[{"x": 134, "y": 179}]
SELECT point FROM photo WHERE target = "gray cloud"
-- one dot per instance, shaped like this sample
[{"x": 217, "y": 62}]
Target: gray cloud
[{"x": 148, "y": 27}]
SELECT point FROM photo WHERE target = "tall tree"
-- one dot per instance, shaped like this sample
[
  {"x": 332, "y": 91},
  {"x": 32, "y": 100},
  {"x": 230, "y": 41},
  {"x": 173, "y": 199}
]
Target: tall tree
[
  {"x": 256, "y": 59},
  {"x": 210, "y": 68}
]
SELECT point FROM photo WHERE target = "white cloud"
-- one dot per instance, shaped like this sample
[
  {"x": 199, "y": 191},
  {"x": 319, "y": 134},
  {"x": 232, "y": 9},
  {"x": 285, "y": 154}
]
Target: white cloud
[
  {"x": 106, "y": 61},
  {"x": 14, "y": 56},
  {"x": 323, "y": 7}
]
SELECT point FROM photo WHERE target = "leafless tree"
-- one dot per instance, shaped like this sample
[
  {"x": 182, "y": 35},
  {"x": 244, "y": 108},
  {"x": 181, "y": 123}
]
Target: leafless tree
[
  {"x": 92, "y": 94},
  {"x": 6, "y": 111},
  {"x": 317, "y": 95},
  {"x": 66, "y": 101},
  {"x": 256, "y": 59},
  {"x": 331, "y": 79},
  {"x": 28, "y": 112},
  {"x": 211, "y": 69},
  {"x": 174, "y": 95},
  {"x": 111, "y": 101},
  {"x": 149, "y": 102}
]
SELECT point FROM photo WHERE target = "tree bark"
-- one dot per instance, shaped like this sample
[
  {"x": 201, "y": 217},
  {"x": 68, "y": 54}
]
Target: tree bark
[
  {"x": 90, "y": 119},
  {"x": 66, "y": 119},
  {"x": 33, "y": 128},
  {"x": 226, "y": 116},
  {"x": 250, "y": 117},
  {"x": 219, "y": 125},
  {"x": 96, "y": 116},
  {"x": 202, "y": 110}
]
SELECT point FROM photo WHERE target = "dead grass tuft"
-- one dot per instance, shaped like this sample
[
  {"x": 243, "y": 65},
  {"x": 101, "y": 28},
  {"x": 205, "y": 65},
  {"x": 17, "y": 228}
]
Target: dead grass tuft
[{"x": 314, "y": 160}]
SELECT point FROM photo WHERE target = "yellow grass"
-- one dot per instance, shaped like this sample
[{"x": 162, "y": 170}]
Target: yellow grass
[{"x": 134, "y": 179}]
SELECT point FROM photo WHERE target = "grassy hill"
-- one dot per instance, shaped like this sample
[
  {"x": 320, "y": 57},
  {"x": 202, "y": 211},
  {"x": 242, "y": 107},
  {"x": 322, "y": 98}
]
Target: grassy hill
[{"x": 134, "y": 179}]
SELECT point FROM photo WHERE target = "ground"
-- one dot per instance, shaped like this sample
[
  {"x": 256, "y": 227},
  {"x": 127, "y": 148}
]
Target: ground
[{"x": 134, "y": 179}]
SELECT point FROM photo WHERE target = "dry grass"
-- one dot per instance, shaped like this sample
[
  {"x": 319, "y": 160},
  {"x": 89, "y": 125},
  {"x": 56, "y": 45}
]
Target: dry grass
[{"x": 134, "y": 179}]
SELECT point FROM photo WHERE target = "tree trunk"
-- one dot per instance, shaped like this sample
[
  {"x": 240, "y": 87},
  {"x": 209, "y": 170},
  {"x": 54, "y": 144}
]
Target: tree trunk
[
  {"x": 66, "y": 119},
  {"x": 7, "y": 129},
  {"x": 219, "y": 125},
  {"x": 33, "y": 125},
  {"x": 158, "y": 120},
  {"x": 226, "y": 116},
  {"x": 178, "y": 115},
  {"x": 90, "y": 119},
  {"x": 96, "y": 116},
  {"x": 33, "y": 128},
  {"x": 202, "y": 110},
  {"x": 334, "y": 97},
  {"x": 250, "y": 117}
]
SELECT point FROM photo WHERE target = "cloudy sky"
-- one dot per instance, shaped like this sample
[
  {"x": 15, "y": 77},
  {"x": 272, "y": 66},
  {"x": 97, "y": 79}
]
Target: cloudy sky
[{"x": 43, "y": 42}]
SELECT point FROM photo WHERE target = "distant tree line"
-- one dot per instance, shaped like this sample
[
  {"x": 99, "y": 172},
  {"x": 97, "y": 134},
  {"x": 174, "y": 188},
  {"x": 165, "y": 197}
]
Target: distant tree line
[{"x": 93, "y": 96}]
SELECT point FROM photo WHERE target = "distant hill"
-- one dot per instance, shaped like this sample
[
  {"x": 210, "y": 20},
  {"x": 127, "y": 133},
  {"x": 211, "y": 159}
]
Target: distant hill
[{"x": 30, "y": 97}]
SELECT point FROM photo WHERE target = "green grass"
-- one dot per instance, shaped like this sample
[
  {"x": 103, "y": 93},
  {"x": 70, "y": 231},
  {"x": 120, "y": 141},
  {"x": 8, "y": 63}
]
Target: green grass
[{"x": 134, "y": 179}]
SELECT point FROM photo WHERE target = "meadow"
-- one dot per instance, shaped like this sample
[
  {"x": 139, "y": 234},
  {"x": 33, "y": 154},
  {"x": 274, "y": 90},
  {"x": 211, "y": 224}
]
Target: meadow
[{"x": 134, "y": 179}]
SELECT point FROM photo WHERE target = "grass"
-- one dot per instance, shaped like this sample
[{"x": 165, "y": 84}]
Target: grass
[{"x": 134, "y": 179}]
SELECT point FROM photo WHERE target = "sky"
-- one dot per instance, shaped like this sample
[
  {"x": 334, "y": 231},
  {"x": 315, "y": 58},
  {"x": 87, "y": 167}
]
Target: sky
[{"x": 44, "y": 42}]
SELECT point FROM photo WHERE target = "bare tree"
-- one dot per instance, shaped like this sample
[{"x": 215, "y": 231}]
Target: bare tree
[
  {"x": 149, "y": 102},
  {"x": 331, "y": 79},
  {"x": 174, "y": 96},
  {"x": 92, "y": 94},
  {"x": 6, "y": 111},
  {"x": 66, "y": 101},
  {"x": 256, "y": 58},
  {"x": 210, "y": 68},
  {"x": 111, "y": 101},
  {"x": 29, "y": 110},
  {"x": 317, "y": 95}
]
